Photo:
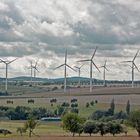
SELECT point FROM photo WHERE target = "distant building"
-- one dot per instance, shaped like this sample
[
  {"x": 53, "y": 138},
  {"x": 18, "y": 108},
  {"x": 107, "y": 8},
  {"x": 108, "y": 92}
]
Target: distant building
[{"x": 51, "y": 119}]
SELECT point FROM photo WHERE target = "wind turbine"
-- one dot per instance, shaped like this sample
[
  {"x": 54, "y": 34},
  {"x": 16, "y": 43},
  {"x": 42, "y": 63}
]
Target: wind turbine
[
  {"x": 35, "y": 68},
  {"x": 7, "y": 62},
  {"x": 79, "y": 73},
  {"x": 91, "y": 64},
  {"x": 133, "y": 66},
  {"x": 104, "y": 75},
  {"x": 65, "y": 71}
]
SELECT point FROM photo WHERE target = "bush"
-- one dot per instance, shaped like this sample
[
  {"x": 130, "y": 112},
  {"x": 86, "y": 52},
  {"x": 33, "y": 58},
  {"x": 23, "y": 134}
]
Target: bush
[
  {"x": 103, "y": 128},
  {"x": 5, "y": 132},
  {"x": 92, "y": 103},
  {"x": 74, "y": 105},
  {"x": 72, "y": 122},
  {"x": 96, "y": 101},
  {"x": 134, "y": 120},
  {"x": 87, "y": 105},
  {"x": 65, "y": 104},
  {"x": 75, "y": 110},
  {"x": 53, "y": 100},
  {"x": 90, "y": 127},
  {"x": 115, "y": 128},
  {"x": 73, "y": 100}
]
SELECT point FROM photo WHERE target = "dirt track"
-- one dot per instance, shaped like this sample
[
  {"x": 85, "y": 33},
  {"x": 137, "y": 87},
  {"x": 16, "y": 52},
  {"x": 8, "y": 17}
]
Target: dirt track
[{"x": 75, "y": 138}]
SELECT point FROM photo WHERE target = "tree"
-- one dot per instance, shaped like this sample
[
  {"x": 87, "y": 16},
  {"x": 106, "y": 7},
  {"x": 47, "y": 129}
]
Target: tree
[
  {"x": 103, "y": 128},
  {"x": 92, "y": 103},
  {"x": 87, "y": 105},
  {"x": 80, "y": 129},
  {"x": 134, "y": 120},
  {"x": 128, "y": 107},
  {"x": 21, "y": 130},
  {"x": 90, "y": 127},
  {"x": 112, "y": 107},
  {"x": 30, "y": 125},
  {"x": 115, "y": 128},
  {"x": 71, "y": 122}
]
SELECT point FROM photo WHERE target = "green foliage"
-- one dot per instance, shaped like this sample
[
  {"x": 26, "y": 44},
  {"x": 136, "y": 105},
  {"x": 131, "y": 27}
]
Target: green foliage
[
  {"x": 92, "y": 103},
  {"x": 90, "y": 127},
  {"x": 74, "y": 105},
  {"x": 60, "y": 110},
  {"x": 128, "y": 107},
  {"x": 87, "y": 105},
  {"x": 111, "y": 110},
  {"x": 53, "y": 100},
  {"x": 30, "y": 125},
  {"x": 72, "y": 122},
  {"x": 96, "y": 101},
  {"x": 115, "y": 128},
  {"x": 75, "y": 110},
  {"x": 65, "y": 104},
  {"x": 21, "y": 130},
  {"x": 5, "y": 132},
  {"x": 103, "y": 128},
  {"x": 134, "y": 120},
  {"x": 74, "y": 100}
]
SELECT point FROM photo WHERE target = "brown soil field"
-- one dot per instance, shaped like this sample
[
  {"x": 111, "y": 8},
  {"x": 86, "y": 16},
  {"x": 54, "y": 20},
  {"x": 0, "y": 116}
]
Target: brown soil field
[
  {"x": 75, "y": 138},
  {"x": 102, "y": 94}
]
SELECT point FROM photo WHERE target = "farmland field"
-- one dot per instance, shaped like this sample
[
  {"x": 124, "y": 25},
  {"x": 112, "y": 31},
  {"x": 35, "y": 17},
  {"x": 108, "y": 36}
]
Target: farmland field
[{"x": 52, "y": 131}]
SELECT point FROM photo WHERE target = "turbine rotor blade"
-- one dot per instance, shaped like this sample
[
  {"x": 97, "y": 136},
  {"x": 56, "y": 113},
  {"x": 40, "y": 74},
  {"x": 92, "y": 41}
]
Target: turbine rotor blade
[
  {"x": 2, "y": 61},
  {"x": 135, "y": 55},
  {"x": 106, "y": 69},
  {"x": 101, "y": 67},
  {"x": 66, "y": 56},
  {"x": 94, "y": 53},
  {"x": 136, "y": 67},
  {"x": 84, "y": 60},
  {"x": 70, "y": 67},
  {"x": 95, "y": 66},
  {"x": 76, "y": 67},
  {"x": 36, "y": 62},
  {"x": 82, "y": 66},
  {"x": 105, "y": 63},
  {"x": 126, "y": 61},
  {"x": 36, "y": 69},
  {"x": 12, "y": 60},
  {"x": 59, "y": 66}
]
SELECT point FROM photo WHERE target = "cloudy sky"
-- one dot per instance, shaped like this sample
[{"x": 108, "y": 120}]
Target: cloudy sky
[{"x": 43, "y": 29}]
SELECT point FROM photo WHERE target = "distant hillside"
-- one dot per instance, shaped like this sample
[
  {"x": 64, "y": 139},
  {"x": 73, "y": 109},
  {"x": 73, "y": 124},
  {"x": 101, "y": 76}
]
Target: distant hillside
[{"x": 61, "y": 80}]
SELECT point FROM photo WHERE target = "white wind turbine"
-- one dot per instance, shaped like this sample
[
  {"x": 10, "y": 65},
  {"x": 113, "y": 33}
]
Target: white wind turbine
[
  {"x": 35, "y": 68},
  {"x": 7, "y": 62},
  {"x": 133, "y": 66},
  {"x": 65, "y": 71},
  {"x": 91, "y": 64},
  {"x": 104, "y": 75},
  {"x": 79, "y": 73}
]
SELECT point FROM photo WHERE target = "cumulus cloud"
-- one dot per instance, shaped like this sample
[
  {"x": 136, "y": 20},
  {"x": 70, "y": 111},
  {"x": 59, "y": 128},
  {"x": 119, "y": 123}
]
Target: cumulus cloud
[{"x": 44, "y": 29}]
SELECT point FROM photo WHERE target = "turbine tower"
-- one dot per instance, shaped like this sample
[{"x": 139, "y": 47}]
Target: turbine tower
[
  {"x": 35, "y": 68},
  {"x": 104, "y": 75},
  {"x": 91, "y": 64},
  {"x": 133, "y": 67},
  {"x": 65, "y": 71},
  {"x": 79, "y": 73},
  {"x": 31, "y": 67},
  {"x": 7, "y": 62}
]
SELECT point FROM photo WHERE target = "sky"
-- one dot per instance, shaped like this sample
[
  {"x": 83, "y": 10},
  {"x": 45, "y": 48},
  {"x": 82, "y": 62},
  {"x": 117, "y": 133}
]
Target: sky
[{"x": 32, "y": 30}]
